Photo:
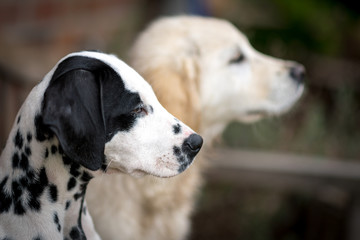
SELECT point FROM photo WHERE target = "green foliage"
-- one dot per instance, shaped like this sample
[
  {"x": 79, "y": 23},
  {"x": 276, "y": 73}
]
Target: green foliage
[{"x": 314, "y": 25}]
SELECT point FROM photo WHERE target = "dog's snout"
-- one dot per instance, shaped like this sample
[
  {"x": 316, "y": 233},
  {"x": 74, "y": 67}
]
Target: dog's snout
[
  {"x": 193, "y": 143},
  {"x": 297, "y": 72},
  {"x": 190, "y": 147}
]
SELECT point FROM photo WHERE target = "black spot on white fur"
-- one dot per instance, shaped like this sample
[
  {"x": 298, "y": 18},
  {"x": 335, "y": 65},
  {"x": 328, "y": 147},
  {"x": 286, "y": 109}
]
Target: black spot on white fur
[
  {"x": 53, "y": 193},
  {"x": 177, "y": 128},
  {"x": 71, "y": 184},
  {"x": 24, "y": 162},
  {"x": 29, "y": 137},
  {"x": 76, "y": 233},
  {"x": 54, "y": 149},
  {"x": 28, "y": 151},
  {"x": 67, "y": 205},
  {"x": 74, "y": 169},
  {"x": 86, "y": 177},
  {"x": 57, "y": 221},
  {"x": 15, "y": 160},
  {"x": 177, "y": 151},
  {"x": 80, "y": 193},
  {"x": 18, "y": 140},
  {"x": 36, "y": 189},
  {"x": 46, "y": 155},
  {"x": 17, "y": 198},
  {"x": 6, "y": 198}
]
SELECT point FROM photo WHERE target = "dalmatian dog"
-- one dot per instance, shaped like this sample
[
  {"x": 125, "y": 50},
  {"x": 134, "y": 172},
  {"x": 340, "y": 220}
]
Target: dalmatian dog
[{"x": 90, "y": 114}]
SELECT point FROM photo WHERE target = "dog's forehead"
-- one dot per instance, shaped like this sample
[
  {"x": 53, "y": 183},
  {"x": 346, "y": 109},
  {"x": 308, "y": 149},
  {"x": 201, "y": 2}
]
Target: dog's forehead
[
  {"x": 220, "y": 33},
  {"x": 132, "y": 80}
]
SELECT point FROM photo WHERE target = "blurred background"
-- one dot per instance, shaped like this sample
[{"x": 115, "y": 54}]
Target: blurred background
[{"x": 310, "y": 188}]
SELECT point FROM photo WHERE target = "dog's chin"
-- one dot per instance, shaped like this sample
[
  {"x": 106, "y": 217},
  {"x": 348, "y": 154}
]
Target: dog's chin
[
  {"x": 277, "y": 109},
  {"x": 134, "y": 173},
  {"x": 253, "y": 116},
  {"x": 167, "y": 173},
  {"x": 137, "y": 173}
]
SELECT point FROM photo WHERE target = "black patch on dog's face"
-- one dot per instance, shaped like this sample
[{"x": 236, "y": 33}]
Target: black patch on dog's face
[
  {"x": 177, "y": 151},
  {"x": 118, "y": 107},
  {"x": 85, "y": 105},
  {"x": 177, "y": 128}
]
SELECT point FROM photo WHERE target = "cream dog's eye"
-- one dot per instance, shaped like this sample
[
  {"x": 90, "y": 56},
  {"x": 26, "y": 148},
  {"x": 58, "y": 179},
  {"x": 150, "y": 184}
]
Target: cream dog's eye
[{"x": 237, "y": 59}]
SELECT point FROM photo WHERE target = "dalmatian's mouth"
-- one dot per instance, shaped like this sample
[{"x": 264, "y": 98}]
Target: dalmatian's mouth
[
  {"x": 135, "y": 173},
  {"x": 162, "y": 164}
]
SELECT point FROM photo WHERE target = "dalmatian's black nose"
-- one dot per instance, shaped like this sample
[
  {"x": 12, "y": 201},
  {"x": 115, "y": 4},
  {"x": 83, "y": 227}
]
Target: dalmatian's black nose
[
  {"x": 192, "y": 145},
  {"x": 297, "y": 72}
]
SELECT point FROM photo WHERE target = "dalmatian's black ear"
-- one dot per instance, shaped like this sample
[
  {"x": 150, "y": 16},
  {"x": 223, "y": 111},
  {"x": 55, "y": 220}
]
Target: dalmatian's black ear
[{"x": 72, "y": 109}]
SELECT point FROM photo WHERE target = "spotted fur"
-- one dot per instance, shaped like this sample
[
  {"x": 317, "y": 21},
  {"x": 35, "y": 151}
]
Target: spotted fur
[{"x": 88, "y": 112}]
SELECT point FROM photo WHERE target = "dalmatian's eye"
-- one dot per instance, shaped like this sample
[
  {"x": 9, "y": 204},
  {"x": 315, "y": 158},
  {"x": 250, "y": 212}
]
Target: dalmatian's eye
[
  {"x": 237, "y": 59},
  {"x": 140, "y": 110}
]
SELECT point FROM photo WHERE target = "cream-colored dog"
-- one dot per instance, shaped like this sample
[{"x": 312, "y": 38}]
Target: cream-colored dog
[{"x": 205, "y": 72}]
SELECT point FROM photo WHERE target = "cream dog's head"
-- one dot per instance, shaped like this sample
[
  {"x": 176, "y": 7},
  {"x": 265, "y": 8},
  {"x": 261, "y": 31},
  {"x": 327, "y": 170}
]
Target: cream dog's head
[{"x": 211, "y": 70}]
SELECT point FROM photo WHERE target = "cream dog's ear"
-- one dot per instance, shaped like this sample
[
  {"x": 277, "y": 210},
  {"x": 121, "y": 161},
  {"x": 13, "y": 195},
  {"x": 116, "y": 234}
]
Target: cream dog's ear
[{"x": 175, "y": 81}]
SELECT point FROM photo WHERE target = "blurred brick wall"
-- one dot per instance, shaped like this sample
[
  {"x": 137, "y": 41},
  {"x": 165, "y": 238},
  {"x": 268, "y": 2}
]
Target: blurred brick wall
[{"x": 35, "y": 34}]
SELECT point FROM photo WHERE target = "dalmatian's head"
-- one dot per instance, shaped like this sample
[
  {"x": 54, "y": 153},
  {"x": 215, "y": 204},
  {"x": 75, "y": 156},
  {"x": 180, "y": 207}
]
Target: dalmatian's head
[{"x": 105, "y": 115}]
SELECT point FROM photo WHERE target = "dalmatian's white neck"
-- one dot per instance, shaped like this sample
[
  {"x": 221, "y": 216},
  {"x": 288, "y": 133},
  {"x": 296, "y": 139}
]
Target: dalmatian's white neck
[{"x": 43, "y": 190}]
